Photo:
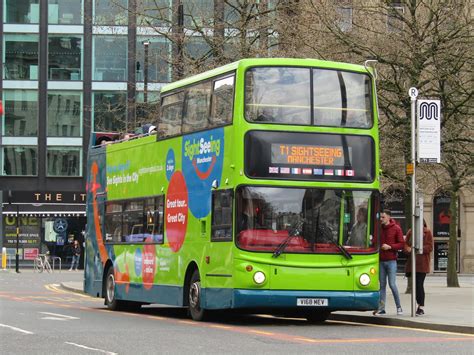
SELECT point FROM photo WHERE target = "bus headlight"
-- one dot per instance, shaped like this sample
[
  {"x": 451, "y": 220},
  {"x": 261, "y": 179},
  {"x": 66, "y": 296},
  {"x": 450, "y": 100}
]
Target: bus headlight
[
  {"x": 259, "y": 277},
  {"x": 364, "y": 279}
]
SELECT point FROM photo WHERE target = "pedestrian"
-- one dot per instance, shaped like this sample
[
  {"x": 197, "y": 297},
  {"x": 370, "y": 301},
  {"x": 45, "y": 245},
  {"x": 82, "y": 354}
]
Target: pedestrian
[
  {"x": 76, "y": 253},
  {"x": 249, "y": 217},
  {"x": 358, "y": 236},
  {"x": 422, "y": 263},
  {"x": 391, "y": 242}
]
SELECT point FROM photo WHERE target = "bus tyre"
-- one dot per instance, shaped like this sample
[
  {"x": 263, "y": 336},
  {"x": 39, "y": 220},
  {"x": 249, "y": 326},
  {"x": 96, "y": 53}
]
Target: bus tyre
[
  {"x": 110, "y": 300},
  {"x": 195, "y": 310},
  {"x": 317, "y": 316}
]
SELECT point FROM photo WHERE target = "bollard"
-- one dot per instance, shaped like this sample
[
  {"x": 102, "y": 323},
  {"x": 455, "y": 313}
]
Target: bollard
[{"x": 4, "y": 258}]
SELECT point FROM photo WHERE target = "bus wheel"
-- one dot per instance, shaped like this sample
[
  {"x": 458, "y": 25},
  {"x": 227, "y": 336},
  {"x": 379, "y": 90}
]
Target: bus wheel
[
  {"x": 317, "y": 316},
  {"x": 195, "y": 310},
  {"x": 110, "y": 300}
]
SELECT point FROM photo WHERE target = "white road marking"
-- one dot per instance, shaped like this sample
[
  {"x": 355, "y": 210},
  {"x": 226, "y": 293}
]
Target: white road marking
[
  {"x": 57, "y": 316},
  {"x": 16, "y": 329},
  {"x": 88, "y": 348}
]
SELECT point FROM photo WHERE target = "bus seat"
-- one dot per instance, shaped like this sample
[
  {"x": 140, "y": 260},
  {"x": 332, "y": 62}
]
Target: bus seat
[{"x": 252, "y": 238}]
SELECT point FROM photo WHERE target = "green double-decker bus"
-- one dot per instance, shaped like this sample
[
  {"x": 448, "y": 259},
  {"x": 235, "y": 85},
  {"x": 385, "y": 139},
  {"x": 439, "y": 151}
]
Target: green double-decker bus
[{"x": 259, "y": 191}]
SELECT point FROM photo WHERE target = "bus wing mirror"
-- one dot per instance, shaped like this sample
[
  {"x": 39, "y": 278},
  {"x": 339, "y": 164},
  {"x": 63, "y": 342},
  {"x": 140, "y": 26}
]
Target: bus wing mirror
[{"x": 215, "y": 184}]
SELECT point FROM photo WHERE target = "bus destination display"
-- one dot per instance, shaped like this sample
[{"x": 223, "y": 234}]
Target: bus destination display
[
  {"x": 308, "y": 155},
  {"x": 288, "y": 155}
]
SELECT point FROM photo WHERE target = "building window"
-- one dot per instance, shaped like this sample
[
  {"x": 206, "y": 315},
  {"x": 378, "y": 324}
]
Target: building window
[
  {"x": 110, "y": 110},
  {"x": 153, "y": 13},
  {"x": 344, "y": 18},
  {"x": 21, "y": 11},
  {"x": 198, "y": 13},
  {"x": 64, "y": 114},
  {"x": 64, "y": 161},
  {"x": 113, "y": 13},
  {"x": 395, "y": 16},
  {"x": 110, "y": 58},
  {"x": 64, "y": 57},
  {"x": 21, "y": 113},
  {"x": 21, "y": 57},
  {"x": 65, "y": 12},
  {"x": 20, "y": 161},
  {"x": 196, "y": 48},
  {"x": 159, "y": 50},
  {"x": 147, "y": 112}
]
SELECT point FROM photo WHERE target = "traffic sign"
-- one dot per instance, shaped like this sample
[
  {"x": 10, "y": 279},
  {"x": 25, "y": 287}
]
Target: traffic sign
[
  {"x": 413, "y": 92},
  {"x": 429, "y": 131}
]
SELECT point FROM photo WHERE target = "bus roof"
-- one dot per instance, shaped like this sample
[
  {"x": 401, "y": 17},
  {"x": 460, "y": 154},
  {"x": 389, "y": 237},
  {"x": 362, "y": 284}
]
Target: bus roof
[{"x": 262, "y": 62}]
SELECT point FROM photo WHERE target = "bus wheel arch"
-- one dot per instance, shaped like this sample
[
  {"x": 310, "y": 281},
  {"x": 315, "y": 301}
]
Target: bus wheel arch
[
  {"x": 107, "y": 266},
  {"x": 192, "y": 293}
]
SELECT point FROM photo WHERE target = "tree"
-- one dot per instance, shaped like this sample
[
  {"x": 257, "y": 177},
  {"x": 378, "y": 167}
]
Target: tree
[{"x": 422, "y": 43}]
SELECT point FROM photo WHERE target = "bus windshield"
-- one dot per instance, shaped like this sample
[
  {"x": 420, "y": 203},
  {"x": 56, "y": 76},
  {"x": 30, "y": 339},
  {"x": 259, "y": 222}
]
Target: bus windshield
[
  {"x": 283, "y": 95},
  {"x": 266, "y": 216}
]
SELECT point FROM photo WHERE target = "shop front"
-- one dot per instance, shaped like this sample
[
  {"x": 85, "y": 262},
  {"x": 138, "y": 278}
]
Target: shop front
[{"x": 42, "y": 222}]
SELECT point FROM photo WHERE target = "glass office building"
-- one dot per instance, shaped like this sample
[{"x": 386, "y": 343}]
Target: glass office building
[{"x": 68, "y": 67}]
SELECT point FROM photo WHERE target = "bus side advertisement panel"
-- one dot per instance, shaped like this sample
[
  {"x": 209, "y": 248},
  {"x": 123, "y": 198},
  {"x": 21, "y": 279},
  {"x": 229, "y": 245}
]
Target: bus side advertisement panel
[{"x": 183, "y": 170}]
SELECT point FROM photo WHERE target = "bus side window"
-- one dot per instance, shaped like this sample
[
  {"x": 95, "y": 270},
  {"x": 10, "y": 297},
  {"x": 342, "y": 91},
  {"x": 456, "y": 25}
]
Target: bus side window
[
  {"x": 171, "y": 115},
  {"x": 221, "y": 229},
  {"x": 222, "y": 101},
  {"x": 157, "y": 222},
  {"x": 196, "y": 107},
  {"x": 113, "y": 222}
]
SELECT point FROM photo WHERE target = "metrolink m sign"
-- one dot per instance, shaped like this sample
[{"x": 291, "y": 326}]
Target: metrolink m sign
[{"x": 429, "y": 131}]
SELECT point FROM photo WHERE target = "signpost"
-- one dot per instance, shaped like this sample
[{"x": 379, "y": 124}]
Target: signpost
[
  {"x": 425, "y": 148},
  {"x": 413, "y": 92}
]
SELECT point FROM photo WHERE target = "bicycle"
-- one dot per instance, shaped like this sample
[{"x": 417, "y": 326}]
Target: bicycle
[{"x": 41, "y": 263}]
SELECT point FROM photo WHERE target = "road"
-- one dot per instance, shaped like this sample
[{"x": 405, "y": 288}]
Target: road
[{"x": 38, "y": 317}]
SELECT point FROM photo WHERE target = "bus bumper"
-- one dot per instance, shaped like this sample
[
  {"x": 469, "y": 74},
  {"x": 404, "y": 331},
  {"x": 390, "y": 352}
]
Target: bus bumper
[{"x": 337, "y": 300}]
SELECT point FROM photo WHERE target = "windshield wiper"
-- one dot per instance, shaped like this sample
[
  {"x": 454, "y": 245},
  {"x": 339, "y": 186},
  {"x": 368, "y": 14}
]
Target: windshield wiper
[
  {"x": 343, "y": 250},
  {"x": 296, "y": 231}
]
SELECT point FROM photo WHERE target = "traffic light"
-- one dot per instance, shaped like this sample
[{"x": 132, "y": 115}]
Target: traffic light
[{"x": 1, "y": 107}]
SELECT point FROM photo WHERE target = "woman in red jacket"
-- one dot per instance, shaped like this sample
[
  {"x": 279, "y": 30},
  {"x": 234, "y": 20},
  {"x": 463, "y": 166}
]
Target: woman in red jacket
[{"x": 422, "y": 265}]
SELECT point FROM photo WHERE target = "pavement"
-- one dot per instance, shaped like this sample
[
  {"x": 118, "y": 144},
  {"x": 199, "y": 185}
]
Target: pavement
[{"x": 449, "y": 309}]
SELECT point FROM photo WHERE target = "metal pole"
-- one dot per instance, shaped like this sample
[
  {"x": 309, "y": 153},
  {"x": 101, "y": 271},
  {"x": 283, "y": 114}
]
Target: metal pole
[
  {"x": 413, "y": 202},
  {"x": 145, "y": 73},
  {"x": 17, "y": 257}
]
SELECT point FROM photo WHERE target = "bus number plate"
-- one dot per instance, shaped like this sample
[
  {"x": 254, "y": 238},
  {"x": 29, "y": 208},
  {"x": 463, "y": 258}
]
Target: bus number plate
[{"x": 312, "y": 302}]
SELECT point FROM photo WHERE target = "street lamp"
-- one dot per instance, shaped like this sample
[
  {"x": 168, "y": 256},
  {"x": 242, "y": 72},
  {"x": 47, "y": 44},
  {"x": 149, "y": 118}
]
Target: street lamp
[
  {"x": 146, "y": 44},
  {"x": 17, "y": 256}
]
